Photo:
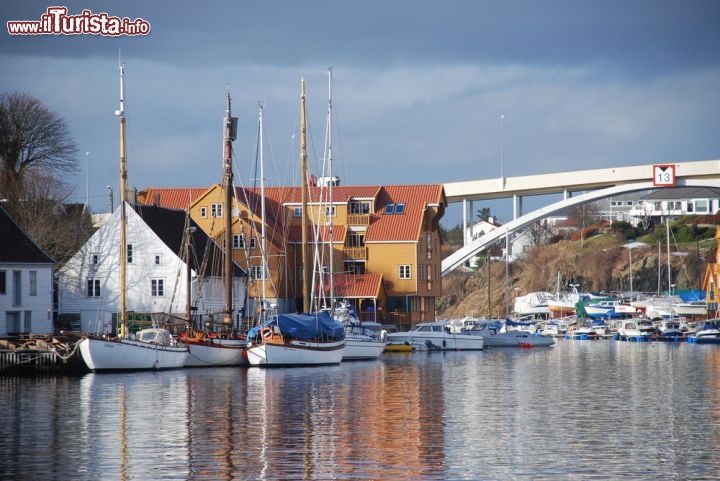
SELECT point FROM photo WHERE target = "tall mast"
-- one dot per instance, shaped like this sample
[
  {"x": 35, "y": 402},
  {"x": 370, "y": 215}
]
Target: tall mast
[
  {"x": 263, "y": 252},
  {"x": 330, "y": 190},
  {"x": 306, "y": 268},
  {"x": 123, "y": 191},
  {"x": 228, "y": 188}
]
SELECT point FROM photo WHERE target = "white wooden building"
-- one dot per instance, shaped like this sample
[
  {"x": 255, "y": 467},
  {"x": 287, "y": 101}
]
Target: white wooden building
[
  {"x": 89, "y": 284},
  {"x": 26, "y": 282}
]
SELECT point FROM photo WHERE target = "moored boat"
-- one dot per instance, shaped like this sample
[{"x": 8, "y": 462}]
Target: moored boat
[
  {"x": 296, "y": 340},
  {"x": 494, "y": 334},
  {"x": 438, "y": 335}
]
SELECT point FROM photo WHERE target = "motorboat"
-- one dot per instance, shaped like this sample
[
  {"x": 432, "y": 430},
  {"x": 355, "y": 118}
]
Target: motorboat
[
  {"x": 607, "y": 309},
  {"x": 495, "y": 334},
  {"x": 635, "y": 329},
  {"x": 363, "y": 340},
  {"x": 707, "y": 332},
  {"x": 670, "y": 329},
  {"x": 689, "y": 308},
  {"x": 438, "y": 335}
]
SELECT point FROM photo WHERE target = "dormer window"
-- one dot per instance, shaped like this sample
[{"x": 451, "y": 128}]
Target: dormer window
[{"x": 395, "y": 208}]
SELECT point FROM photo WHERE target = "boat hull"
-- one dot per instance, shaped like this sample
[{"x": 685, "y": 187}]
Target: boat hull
[
  {"x": 512, "y": 339},
  {"x": 358, "y": 349},
  {"x": 216, "y": 353},
  {"x": 295, "y": 353},
  {"x": 438, "y": 341},
  {"x": 128, "y": 355}
]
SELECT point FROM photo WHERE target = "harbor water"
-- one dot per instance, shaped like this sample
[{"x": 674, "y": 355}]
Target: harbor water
[{"x": 578, "y": 410}]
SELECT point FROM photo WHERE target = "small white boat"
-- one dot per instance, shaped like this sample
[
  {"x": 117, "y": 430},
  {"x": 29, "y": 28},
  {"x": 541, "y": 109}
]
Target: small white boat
[
  {"x": 148, "y": 349},
  {"x": 707, "y": 332},
  {"x": 690, "y": 308},
  {"x": 494, "y": 334},
  {"x": 437, "y": 335},
  {"x": 215, "y": 352},
  {"x": 362, "y": 343},
  {"x": 635, "y": 329},
  {"x": 670, "y": 329},
  {"x": 609, "y": 309}
]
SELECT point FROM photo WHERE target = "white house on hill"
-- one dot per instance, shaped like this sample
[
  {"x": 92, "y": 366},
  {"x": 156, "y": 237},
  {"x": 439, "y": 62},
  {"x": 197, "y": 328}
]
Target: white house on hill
[{"x": 89, "y": 284}]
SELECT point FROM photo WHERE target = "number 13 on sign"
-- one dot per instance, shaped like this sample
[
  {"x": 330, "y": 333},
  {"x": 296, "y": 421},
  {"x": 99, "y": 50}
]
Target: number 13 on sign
[{"x": 663, "y": 175}]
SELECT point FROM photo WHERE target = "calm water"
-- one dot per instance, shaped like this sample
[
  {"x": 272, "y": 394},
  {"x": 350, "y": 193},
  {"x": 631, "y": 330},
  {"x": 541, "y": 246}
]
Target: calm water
[{"x": 578, "y": 410}]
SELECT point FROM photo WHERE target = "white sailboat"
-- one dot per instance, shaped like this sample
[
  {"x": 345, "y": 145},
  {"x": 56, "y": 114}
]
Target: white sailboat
[
  {"x": 152, "y": 348},
  {"x": 298, "y": 339},
  {"x": 361, "y": 341},
  {"x": 215, "y": 348}
]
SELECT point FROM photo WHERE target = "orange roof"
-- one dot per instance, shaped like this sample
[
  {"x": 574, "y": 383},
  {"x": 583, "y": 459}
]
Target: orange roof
[
  {"x": 170, "y": 198},
  {"x": 356, "y": 285},
  {"x": 383, "y": 227},
  {"x": 406, "y": 226}
]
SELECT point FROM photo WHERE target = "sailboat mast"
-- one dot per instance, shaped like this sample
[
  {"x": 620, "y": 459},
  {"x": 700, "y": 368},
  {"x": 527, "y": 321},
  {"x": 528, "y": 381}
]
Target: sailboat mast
[
  {"x": 306, "y": 268},
  {"x": 228, "y": 187},
  {"x": 123, "y": 194},
  {"x": 330, "y": 190},
  {"x": 263, "y": 255}
]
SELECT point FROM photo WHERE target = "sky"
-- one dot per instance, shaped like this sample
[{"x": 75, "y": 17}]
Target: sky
[{"x": 423, "y": 91}]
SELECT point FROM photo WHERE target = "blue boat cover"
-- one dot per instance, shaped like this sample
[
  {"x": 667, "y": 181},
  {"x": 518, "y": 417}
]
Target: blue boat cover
[{"x": 304, "y": 326}]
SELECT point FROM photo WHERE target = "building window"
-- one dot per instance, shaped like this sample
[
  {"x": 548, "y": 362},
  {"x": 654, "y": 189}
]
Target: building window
[
  {"x": 93, "y": 259},
  {"x": 216, "y": 210},
  {"x": 129, "y": 253},
  {"x": 252, "y": 242},
  {"x": 422, "y": 272},
  {"x": 297, "y": 211},
  {"x": 3, "y": 282},
  {"x": 157, "y": 259},
  {"x": 33, "y": 283},
  {"x": 238, "y": 241},
  {"x": 395, "y": 208},
  {"x": 17, "y": 288},
  {"x": 405, "y": 271},
  {"x": 258, "y": 272},
  {"x": 359, "y": 207},
  {"x": 157, "y": 287},
  {"x": 330, "y": 211},
  {"x": 93, "y": 287},
  {"x": 700, "y": 206},
  {"x": 203, "y": 212}
]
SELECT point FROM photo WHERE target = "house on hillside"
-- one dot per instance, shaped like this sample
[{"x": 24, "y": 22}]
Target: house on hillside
[
  {"x": 159, "y": 242},
  {"x": 711, "y": 281},
  {"x": 26, "y": 282},
  {"x": 385, "y": 242}
]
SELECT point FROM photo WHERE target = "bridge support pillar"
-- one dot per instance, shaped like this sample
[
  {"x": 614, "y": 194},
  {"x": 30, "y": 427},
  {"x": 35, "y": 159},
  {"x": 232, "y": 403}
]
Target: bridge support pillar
[{"x": 517, "y": 206}]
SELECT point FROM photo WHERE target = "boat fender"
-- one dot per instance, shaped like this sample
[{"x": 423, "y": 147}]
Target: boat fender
[{"x": 266, "y": 333}]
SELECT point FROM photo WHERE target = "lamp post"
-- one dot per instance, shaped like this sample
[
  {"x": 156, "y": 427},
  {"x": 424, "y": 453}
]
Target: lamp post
[{"x": 87, "y": 182}]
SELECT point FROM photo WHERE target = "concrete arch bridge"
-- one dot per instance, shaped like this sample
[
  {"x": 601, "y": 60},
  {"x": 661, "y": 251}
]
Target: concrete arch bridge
[{"x": 601, "y": 183}]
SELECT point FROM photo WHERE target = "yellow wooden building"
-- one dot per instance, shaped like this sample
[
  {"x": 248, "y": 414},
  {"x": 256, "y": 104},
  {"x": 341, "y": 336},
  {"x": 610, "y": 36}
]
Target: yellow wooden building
[{"x": 385, "y": 244}]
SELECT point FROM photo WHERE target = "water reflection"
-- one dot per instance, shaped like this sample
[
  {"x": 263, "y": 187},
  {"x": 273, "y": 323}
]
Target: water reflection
[{"x": 579, "y": 410}]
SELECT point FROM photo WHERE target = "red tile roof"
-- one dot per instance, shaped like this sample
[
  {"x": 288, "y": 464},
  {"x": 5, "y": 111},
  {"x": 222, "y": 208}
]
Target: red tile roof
[
  {"x": 356, "y": 285},
  {"x": 171, "y": 198},
  {"x": 406, "y": 226},
  {"x": 383, "y": 227}
]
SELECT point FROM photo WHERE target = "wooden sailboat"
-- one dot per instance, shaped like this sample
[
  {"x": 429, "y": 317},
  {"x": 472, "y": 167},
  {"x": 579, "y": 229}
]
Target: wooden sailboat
[
  {"x": 298, "y": 339},
  {"x": 153, "y": 348},
  {"x": 214, "y": 348}
]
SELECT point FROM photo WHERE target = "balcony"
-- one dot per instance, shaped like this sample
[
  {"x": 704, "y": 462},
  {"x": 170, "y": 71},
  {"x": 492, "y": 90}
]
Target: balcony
[
  {"x": 358, "y": 219},
  {"x": 355, "y": 253}
]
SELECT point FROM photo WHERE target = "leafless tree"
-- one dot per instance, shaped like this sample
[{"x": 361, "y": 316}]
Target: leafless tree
[
  {"x": 32, "y": 137},
  {"x": 36, "y": 151}
]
